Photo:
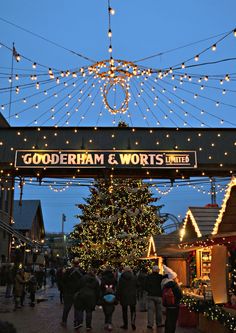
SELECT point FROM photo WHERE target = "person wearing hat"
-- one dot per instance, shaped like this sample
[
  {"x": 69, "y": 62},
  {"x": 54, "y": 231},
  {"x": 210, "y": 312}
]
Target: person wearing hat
[
  {"x": 71, "y": 285},
  {"x": 172, "y": 311},
  {"x": 127, "y": 294},
  {"x": 154, "y": 299}
]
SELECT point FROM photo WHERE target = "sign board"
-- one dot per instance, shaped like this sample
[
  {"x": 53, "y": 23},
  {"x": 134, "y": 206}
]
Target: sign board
[{"x": 105, "y": 158}]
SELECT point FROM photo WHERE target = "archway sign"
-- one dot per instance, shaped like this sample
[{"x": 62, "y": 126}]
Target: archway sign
[{"x": 168, "y": 153}]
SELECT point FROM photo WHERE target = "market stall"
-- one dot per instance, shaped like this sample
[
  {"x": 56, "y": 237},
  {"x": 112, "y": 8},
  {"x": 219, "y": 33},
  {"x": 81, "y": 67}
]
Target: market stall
[
  {"x": 165, "y": 248},
  {"x": 198, "y": 225},
  {"x": 215, "y": 255}
]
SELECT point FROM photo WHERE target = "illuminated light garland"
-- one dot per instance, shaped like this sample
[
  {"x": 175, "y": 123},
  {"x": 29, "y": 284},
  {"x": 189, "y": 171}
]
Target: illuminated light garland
[
  {"x": 194, "y": 223},
  {"x": 62, "y": 189},
  {"x": 124, "y": 71},
  {"x": 223, "y": 207},
  {"x": 116, "y": 73},
  {"x": 211, "y": 311}
]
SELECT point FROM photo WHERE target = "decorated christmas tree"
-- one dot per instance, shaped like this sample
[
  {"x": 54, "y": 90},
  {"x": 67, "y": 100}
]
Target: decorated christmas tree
[{"x": 115, "y": 223}]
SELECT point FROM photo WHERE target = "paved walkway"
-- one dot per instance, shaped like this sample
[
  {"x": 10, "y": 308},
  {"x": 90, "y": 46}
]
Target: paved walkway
[{"x": 45, "y": 317}]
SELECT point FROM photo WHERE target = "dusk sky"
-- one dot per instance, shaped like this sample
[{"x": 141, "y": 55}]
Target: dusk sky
[{"x": 140, "y": 29}]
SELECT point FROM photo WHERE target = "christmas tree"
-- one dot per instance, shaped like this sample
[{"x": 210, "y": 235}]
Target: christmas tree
[{"x": 115, "y": 223}]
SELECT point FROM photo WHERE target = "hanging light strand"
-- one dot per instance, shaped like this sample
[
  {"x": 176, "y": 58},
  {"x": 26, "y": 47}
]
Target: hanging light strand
[{"x": 111, "y": 11}]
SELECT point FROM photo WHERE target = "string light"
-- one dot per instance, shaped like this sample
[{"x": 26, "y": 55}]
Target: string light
[{"x": 213, "y": 47}]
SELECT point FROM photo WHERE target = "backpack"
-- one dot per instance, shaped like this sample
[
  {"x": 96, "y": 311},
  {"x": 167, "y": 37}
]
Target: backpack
[
  {"x": 109, "y": 294},
  {"x": 168, "y": 297}
]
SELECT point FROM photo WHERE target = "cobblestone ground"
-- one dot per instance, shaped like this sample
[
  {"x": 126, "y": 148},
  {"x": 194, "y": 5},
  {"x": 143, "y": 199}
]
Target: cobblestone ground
[{"x": 45, "y": 317}]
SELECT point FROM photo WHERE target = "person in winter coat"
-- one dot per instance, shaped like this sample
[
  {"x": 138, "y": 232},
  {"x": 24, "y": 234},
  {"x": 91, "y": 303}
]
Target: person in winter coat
[
  {"x": 59, "y": 279},
  {"x": 19, "y": 289},
  {"x": 127, "y": 295},
  {"x": 86, "y": 299},
  {"x": 108, "y": 296},
  {"x": 142, "y": 293},
  {"x": 172, "y": 311},
  {"x": 154, "y": 299},
  {"x": 32, "y": 287},
  {"x": 9, "y": 280},
  {"x": 40, "y": 276},
  {"x": 52, "y": 274},
  {"x": 70, "y": 284}
]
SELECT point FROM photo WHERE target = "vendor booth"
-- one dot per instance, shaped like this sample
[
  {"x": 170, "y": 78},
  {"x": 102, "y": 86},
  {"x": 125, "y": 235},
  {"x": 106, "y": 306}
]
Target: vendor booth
[
  {"x": 197, "y": 227},
  {"x": 165, "y": 248},
  {"x": 213, "y": 291}
]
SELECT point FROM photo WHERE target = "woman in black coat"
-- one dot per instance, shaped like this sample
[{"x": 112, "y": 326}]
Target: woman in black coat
[
  {"x": 86, "y": 299},
  {"x": 127, "y": 295}
]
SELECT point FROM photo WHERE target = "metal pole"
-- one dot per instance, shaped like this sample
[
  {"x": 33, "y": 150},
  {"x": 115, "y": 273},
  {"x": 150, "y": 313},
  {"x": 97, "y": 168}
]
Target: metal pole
[
  {"x": 213, "y": 191},
  {"x": 62, "y": 225},
  {"x": 62, "y": 231}
]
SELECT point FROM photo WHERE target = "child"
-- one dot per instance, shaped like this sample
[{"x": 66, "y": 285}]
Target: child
[{"x": 108, "y": 287}]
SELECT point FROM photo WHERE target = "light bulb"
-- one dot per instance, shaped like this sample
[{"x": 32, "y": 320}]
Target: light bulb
[
  {"x": 227, "y": 78},
  {"x": 34, "y": 65},
  {"x": 109, "y": 33},
  {"x": 183, "y": 65},
  {"x": 17, "y": 57},
  {"x": 112, "y": 11},
  {"x": 213, "y": 47},
  {"x": 196, "y": 58},
  {"x": 110, "y": 49},
  {"x": 234, "y": 32}
]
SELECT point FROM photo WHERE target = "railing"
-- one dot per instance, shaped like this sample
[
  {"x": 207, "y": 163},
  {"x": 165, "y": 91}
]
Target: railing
[{"x": 175, "y": 225}]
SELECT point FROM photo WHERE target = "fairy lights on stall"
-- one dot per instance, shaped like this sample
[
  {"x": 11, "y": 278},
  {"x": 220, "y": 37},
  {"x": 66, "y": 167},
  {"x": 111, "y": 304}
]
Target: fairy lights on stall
[
  {"x": 224, "y": 204},
  {"x": 189, "y": 217}
]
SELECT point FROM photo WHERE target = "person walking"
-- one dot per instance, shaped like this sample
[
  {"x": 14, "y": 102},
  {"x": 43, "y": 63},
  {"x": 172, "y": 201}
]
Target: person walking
[
  {"x": 108, "y": 296},
  {"x": 52, "y": 274},
  {"x": 70, "y": 284},
  {"x": 32, "y": 287},
  {"x": 39, "y": 274},
  {"x": 142, "y": 293},
  {"x": 171, "y": 296},
  {"x": 9, "y": 280},
  {"x": 127, "y": 295},
  {"x": 59, "y": 280},
  {"x": 86, "y": 299},
  {"x": 152, "y": 285},
  {"x": 19, "y": 289}
]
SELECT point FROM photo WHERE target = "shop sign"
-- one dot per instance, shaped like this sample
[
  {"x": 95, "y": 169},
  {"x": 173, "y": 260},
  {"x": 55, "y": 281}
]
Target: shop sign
[{"x": 102, "y": 159}]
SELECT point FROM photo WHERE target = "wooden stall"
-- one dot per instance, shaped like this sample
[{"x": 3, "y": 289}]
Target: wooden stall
[
  {"x": 197, "y": 227},
  {"x": 165, "y": 248},
  {"x": 215, "y": 246}
]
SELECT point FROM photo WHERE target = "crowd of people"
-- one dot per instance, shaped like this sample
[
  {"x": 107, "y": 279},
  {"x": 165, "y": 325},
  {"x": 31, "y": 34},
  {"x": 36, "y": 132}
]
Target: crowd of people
[
  {"x": 85, "y": 290},
  {"x": 104, "y": 288},
  {"x": 19, "y": 281}
]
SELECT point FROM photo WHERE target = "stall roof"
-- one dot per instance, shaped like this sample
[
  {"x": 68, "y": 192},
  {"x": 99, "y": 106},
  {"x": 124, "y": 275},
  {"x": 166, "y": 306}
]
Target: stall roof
[
  {"x": 199, "y": 221},
  {"x": 164, "y": 245},
  {"x": 226, "y": 220}
]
